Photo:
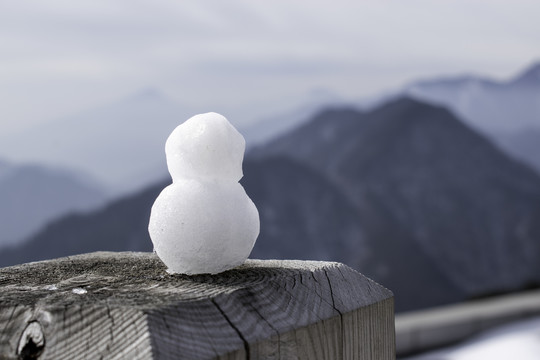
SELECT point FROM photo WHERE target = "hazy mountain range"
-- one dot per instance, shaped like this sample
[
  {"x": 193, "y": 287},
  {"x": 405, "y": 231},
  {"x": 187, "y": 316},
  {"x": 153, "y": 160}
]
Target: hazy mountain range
[
  {"x": 120, "y": 144},
  {"x": 32, "y": 195},
  {"x": 405, "y": 193},
  {"x": 487, "y": 104},
  {"x": 276, "y": 124},
  {"x": 523, "y": 145},
  {"x": 506, "y": 111}
]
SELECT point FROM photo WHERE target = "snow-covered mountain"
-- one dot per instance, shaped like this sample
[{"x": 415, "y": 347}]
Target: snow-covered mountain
[
  {"x": 31, "y": 196},
  {"x": 508, "y": 112},
  {"x": 486, "y": 104},
  {"x": 523, "y": 145}
]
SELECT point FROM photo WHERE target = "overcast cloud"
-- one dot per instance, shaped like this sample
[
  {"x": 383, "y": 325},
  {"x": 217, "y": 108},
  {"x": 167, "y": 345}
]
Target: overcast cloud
[{"x": 61, "y": 57}]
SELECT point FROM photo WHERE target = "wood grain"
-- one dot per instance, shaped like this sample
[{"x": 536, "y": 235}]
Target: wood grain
[{"x": 125, "y": 306}]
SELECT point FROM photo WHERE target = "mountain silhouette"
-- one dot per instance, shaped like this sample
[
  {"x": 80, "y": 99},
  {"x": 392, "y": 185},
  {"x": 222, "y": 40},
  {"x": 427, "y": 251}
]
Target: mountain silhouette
[{"x": 418, "y": 174}]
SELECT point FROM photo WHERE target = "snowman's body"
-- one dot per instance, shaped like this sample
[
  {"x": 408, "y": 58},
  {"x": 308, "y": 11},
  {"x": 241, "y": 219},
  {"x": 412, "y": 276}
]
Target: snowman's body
[{"x": 204, "y": 222}]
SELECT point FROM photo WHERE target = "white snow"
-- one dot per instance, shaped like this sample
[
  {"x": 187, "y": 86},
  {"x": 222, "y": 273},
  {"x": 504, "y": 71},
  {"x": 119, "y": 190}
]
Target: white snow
[
  {"x": 204, "y": 222},
  {"x": 206, "y": 146},
  {"x": 520, "y": 340},
  {"x": 79, "y": 291}
]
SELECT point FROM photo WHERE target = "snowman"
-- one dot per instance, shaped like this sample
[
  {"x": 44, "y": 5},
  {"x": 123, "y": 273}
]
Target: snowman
[{"x": 204, "y": 222}]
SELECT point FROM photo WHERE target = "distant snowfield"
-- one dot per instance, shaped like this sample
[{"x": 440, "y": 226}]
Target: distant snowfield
[{"x": 520, "y": 340}]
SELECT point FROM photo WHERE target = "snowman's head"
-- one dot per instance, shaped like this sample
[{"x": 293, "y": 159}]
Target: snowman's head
[{"x": 205, "y": 146}]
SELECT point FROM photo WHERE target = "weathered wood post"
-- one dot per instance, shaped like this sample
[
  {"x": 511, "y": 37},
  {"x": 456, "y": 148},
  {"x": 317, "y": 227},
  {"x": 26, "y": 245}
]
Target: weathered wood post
[{"x": 125, "y": 306}]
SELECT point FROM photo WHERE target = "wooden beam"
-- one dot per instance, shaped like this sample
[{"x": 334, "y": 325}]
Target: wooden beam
[{"x": 125, "y": 306}]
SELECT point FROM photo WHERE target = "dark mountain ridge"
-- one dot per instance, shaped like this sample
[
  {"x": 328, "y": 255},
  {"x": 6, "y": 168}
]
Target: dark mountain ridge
[{"x": 417, "y": 169}]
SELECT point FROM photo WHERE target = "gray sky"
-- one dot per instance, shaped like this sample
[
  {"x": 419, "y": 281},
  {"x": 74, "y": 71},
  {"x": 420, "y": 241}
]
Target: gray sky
[{"x": 59, "y": 57}]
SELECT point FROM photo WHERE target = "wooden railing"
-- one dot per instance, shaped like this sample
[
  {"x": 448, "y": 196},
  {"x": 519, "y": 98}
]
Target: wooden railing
[
  {"x": 125, "y": 306},
  {"x": 420, "y": 330}
]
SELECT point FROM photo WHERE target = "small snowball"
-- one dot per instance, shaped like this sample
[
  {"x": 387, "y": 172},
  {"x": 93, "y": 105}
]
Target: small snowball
[
  {"x": 206, "y": 146},
  {"x": 204, "y": 222},
  {"x": 79, "y": 291}
]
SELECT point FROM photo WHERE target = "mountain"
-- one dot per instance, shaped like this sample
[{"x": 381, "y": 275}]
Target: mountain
[
  {"x": 529, "y": 77},
  {"x": 486, "y": 104},
  {"x": 300, "y": 211},
  {"x": 5, "y": 168},
  {"x": 523, "y": 145},
  {"x": 121, "y": 144},
  {"x": 419, "y": 176},
  {"x": 121, "y": 225},
  {"x": 304, "y": 215},
  {"x": 277, "y": 124},
  {"x": 508, "y": 112},
  {"x": 31, "y": 196}
]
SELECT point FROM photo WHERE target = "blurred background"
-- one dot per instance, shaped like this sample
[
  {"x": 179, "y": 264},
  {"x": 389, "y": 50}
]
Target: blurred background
[{"x": 401, "y": 138}]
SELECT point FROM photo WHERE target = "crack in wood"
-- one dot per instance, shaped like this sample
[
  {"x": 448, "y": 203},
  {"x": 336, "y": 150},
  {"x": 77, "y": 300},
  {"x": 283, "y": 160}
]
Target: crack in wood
[
  {"x": 335, "y": 308},
  {"x": 246, "y": 344},
  {"x": 332, "y": 294}
]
